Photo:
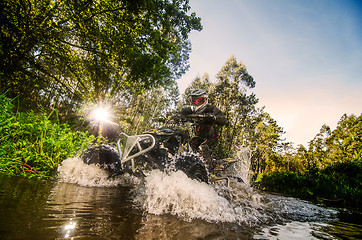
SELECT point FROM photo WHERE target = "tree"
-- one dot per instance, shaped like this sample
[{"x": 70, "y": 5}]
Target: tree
[
  {"x": 318, "y": 148},
  {"x": 60, "y": 52},
  {"x": 199, "y": 83},
  {"x": 141, "y": 112},
  {"x": 230, "y": 94},
  {"x": 265, "y": 142},
  {"x": 345, "y": 142}
]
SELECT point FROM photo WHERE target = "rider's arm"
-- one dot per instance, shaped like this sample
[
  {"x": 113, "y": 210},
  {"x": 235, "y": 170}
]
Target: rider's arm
[
  {"x": 219, "y": 117},
  {"x": 186, "y": 111}
]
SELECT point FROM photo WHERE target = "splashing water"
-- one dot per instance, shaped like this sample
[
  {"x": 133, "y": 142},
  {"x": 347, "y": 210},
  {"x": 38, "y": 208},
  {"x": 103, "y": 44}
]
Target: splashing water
[
  {"x": 242, "y": 166},
  {"x": 174, "y": 193},
  {"x": 74, "y": 170},
  {"x": 179, "y": 195}
]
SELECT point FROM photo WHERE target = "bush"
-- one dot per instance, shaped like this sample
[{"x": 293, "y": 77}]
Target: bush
[
  {"x": 32, "y": 145},
  {"x": 340, "y": 183}
]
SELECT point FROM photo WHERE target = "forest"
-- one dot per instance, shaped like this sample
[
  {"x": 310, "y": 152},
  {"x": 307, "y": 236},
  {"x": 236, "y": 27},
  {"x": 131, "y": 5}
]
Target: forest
[{"x": 58, "y": 58}]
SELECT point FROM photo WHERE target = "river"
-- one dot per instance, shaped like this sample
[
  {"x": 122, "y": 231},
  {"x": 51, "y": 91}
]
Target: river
[{"x": 84, "y": 204}]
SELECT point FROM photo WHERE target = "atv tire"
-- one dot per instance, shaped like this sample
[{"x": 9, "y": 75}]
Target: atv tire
[
  {"x": 193, "y": 167},
  {"x": 105, "y": 156}
]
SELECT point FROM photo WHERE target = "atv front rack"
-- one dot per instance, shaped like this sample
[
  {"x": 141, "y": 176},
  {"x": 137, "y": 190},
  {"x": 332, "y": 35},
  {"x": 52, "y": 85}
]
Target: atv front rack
[{"x": 133, "y": 143}]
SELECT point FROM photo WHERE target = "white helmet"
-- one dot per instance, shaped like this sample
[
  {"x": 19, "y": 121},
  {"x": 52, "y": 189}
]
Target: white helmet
[{"x": 198, "y": 99}]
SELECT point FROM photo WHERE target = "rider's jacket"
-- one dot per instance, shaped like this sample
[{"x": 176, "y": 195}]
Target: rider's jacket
[{"x": 206, "y": 128}]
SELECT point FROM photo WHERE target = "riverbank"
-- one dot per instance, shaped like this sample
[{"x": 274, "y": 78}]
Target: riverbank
[{"x": 338, "y": 185}]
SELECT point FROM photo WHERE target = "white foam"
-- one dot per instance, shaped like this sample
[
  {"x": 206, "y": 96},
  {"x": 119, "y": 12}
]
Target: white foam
[
  {"x": 74, "y": 170},
  {"x": 177, "y": 194}
]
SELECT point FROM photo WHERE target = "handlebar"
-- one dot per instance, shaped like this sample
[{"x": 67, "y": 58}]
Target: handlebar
[{"x": 193, "y": 118}]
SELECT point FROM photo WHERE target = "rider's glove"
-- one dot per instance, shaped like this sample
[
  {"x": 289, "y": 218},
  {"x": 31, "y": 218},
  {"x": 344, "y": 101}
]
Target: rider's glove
[{"x": 209, "y": 118}]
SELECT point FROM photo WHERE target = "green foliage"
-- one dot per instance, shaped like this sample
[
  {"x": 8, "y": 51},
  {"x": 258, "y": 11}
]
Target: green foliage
[
  {"x": 264, "y": 138},
  {"x": 338, "y": 184},
  {"x": 141, "y": 112},
  {"x": 330, "y": 170},
  {"x": 60, "y": 53},
  {"x": 327, "y": 148},
  {"x": 32, "y": 145}
]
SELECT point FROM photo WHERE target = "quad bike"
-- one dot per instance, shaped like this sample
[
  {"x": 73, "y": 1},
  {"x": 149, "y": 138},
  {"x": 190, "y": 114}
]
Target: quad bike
[{"x": 166, "y": 149}]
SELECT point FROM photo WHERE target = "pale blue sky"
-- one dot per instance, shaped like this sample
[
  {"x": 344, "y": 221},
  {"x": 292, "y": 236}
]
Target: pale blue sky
[{"x": 305, "y": 56}]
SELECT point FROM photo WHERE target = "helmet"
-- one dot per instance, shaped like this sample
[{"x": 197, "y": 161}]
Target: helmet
[{"x": 198, "y": 99}]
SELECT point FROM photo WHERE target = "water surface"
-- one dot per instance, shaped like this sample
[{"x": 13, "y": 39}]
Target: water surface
[{"x": 84, "y": 204}]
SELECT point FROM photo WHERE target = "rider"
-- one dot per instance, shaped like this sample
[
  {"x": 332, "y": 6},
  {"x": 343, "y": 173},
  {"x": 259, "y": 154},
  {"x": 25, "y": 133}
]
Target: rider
[{"x": 206, "y": 136}]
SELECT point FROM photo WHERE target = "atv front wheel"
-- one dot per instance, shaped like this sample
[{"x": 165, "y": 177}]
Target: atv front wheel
[
  {"x": 103, "y": 155},
  {"x": 193, "y": 167}
]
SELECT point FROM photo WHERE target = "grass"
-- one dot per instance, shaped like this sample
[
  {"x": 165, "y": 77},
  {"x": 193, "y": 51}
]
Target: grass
[{"x": 32, "y": 145}]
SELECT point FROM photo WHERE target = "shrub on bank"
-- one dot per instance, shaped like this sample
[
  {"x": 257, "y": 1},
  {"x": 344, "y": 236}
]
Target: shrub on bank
[
  {"x": 340, "y": 184},
  {"x": 32, "y": 145}
]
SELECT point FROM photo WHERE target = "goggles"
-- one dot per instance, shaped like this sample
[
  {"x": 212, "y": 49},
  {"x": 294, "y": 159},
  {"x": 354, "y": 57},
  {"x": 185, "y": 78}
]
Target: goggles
[{"x": 197, "y": 100}]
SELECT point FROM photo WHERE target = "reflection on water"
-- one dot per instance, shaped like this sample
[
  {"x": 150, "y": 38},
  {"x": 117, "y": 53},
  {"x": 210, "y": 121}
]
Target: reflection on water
[
  {"x": 164, "y": 206},
  {"x": 294, "y": 230},
  {"x": 92, "y": 212},
  {"x": 20, "y": 201},
  {"x": 312, "y": 230},
  {"x": 170, "y": 227}
]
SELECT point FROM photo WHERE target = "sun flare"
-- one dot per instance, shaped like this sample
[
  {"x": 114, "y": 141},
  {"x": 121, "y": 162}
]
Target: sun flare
[{"x": 100, "y": 114}]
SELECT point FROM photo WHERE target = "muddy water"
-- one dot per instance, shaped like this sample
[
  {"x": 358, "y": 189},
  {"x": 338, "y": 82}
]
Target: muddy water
[{"x": 84, "y": 204}]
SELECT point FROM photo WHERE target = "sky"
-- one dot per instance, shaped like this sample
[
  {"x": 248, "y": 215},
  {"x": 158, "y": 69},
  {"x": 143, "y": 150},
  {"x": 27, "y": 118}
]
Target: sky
[{"x": 305, "y": 57}]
